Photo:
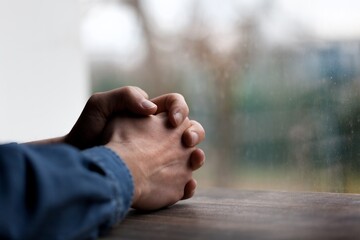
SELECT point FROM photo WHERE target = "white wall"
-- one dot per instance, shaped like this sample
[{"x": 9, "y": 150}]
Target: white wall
[{"x": 43, "y": 78}]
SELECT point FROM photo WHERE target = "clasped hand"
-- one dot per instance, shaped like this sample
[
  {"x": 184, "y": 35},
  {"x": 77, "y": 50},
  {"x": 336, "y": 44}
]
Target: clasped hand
[{"x": 158, "y": 143}]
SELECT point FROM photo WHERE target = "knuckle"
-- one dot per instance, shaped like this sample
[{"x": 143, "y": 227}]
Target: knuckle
[
  {"x": 96, "y": 104},
  {"x": 197, "y": 127},
  {"x": 196, "y": 124},
  {"x": 142, "y": 92},
  {"x": 95, "y": 98},
  {"x": 176, "y": 96},
  {"x": 128, "y": 90},
  {"x": 133, "y": 92}
]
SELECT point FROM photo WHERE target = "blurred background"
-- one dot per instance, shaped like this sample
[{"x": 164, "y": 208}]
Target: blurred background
[{"x": 275, "y": 83}]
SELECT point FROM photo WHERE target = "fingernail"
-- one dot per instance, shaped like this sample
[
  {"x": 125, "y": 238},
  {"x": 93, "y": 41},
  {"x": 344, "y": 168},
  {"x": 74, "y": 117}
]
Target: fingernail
[
  {"x": 194, "y": 138},
  {"x": 148, "y": 104},
  {"x": 178, "y": 118}
]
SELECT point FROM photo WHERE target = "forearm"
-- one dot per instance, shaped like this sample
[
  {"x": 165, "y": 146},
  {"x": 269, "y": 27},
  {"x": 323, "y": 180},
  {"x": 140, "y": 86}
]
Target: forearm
[
  {"x": 51, "y": 192},
  {"x": 55, "y": 140}
]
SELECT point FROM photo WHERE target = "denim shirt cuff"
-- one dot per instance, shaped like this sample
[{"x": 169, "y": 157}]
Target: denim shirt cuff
[{"x": 119, "y": 177}]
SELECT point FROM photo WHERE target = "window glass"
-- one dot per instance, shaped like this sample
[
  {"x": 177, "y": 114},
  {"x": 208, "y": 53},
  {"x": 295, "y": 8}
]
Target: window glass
[{"x": 276, "y": 84}]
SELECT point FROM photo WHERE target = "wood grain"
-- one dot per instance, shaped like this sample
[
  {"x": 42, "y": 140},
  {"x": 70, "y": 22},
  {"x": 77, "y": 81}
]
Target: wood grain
[{"x": 237, "y": 214}]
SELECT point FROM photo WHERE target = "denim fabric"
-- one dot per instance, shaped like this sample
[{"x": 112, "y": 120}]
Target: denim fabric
[{"x": 59, "y": 192}]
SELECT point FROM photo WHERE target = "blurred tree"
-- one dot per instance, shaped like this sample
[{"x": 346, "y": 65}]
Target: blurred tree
[
  {"x": 226, "y": 69},
  {"x": 277, "y": 111}
]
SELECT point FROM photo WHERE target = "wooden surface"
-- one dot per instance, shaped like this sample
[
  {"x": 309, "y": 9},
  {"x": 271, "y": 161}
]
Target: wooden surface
[{"x": 234, "y": 214}]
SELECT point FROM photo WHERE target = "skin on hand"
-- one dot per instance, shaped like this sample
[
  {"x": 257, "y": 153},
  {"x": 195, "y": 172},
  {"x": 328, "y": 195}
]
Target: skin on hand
[
  {"x": 88, "y": 129},
  {"x": 157, "y": 158},
  {"x": 101, "y": 107}
]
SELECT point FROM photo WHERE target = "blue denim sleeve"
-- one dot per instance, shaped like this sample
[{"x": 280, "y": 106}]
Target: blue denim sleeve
[{"x": 59, "y": 192}]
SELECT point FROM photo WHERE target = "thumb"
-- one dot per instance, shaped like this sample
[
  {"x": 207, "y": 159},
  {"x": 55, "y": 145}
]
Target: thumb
[
  {"x": 100, "y": 107},
  {"x": 136, "y": 101}
]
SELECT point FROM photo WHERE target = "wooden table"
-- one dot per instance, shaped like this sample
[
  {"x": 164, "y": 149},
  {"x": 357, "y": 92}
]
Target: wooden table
[{"x": 238, "y": 214}]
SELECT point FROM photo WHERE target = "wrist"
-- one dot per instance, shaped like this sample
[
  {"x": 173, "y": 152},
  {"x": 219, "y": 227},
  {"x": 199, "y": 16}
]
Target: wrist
[
  {"x": 117, "y": 174},
  {"x": 49, "y": 141},
  {"x": 124, "y": 154}
]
